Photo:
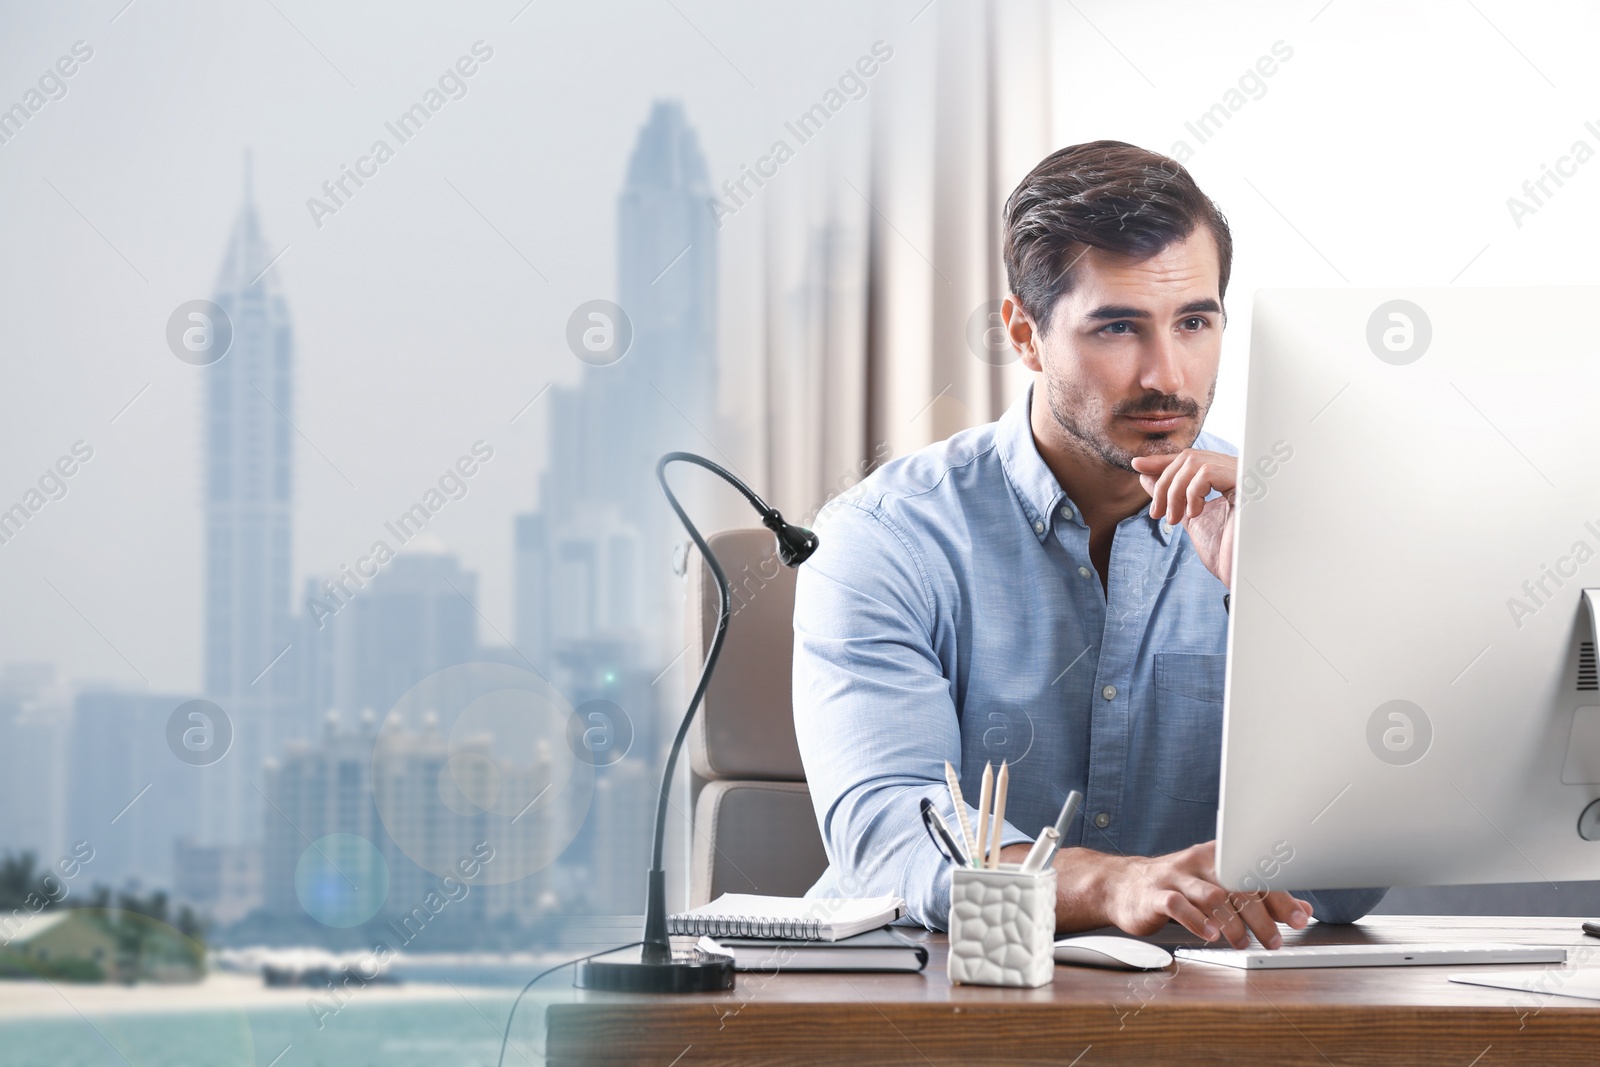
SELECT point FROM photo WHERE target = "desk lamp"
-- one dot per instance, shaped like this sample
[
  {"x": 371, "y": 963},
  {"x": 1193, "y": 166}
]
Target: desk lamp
[{"x": 657, "y": 969}]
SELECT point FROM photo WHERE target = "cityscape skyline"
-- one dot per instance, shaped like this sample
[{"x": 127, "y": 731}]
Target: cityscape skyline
[
  {"x": 412, "y": 267},
  {"x": 333, "y": 661}
]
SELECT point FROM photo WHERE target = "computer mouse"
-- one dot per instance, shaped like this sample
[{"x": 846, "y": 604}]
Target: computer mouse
[{"x": 1116, "y": 953}]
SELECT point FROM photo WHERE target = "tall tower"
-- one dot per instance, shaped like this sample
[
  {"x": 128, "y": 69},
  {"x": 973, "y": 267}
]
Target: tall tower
[
  {"x": 596, "y": 598},
  {"x": 603, "y": 534},
  {"x": 667, "y": 263},
  {"x": 248, "y": 465}
]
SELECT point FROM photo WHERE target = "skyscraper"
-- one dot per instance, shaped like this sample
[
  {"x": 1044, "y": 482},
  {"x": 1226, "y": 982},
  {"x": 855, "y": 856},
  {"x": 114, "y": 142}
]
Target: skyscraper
[
  {"x": 129, "y": 798},
  {"x": 416, "y": 617},
  {"x": 316, "y": 789},
  {"x": 667, "y": 278},
  {"x": 35, "y": 758},
  {"x": 248, "y": 463},
  {"x": 597, "y": 603},
  {"x": 593, "y": 562}
]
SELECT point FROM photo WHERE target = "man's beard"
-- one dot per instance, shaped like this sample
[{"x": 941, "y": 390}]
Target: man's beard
[{"x": 1080, "y": 414}]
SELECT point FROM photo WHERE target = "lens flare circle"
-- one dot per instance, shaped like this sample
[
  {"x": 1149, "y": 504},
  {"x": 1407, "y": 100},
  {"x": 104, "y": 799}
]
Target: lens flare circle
[{"x": 341, "y": 880}]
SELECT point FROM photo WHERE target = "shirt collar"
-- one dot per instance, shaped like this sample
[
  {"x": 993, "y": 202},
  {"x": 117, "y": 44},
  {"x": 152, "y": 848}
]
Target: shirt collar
[{"x": 1034, "y": 484}]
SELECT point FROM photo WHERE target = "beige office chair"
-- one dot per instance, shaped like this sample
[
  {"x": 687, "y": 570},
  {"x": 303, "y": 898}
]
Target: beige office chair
[{"x": 754, "y": 828}]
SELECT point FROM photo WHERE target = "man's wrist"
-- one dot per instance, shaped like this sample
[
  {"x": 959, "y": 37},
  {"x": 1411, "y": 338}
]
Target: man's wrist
[{"x": 1085, "y": 883}]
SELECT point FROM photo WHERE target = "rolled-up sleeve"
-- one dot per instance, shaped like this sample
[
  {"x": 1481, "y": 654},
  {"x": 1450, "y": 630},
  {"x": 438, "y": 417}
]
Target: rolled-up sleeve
[{"x": 874, "y": 712}]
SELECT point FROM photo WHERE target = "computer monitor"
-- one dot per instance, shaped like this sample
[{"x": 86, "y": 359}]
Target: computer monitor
[{"x": 1411, "y": 696}]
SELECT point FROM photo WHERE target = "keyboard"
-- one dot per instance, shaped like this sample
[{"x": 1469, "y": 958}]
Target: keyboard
[{"x": 1428, "y": 954}]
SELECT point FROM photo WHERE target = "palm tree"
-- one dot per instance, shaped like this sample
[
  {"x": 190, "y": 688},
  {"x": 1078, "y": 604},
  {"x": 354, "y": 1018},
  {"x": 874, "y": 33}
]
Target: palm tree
[
  {"x": 191, "y": 925},
  {"x": 18, "y": 878}
]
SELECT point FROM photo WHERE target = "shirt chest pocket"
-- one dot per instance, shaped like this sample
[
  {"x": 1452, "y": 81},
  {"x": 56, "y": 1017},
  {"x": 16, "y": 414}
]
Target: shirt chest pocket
[{"x": 1188, "y": 726}]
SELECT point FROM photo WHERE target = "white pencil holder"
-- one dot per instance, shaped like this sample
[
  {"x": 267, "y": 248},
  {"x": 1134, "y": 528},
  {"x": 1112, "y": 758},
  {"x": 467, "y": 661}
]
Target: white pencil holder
[{"x": 1002, "y": 926}]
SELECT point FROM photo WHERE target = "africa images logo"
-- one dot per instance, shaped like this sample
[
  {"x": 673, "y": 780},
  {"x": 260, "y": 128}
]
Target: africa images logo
[
  {"x": 1399, "y": 732},
  {"x": 1399, "y": 332}
]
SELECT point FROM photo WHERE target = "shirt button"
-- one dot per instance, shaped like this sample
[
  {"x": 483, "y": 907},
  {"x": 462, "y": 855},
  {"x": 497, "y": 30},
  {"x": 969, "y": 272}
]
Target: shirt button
[
  {"x": 1085, "y": 572},
  {"x": 1166, "y": 527},
  {"x": 1102, "y": 820},
  {"x": 1066, "y": 513},
  {"x": 1038, "y": 527},
  {"x": 1109, "y": 692}
]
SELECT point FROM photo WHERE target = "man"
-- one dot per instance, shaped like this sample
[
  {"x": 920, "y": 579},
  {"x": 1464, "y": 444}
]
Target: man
[{"x": 1048, "y": 589}]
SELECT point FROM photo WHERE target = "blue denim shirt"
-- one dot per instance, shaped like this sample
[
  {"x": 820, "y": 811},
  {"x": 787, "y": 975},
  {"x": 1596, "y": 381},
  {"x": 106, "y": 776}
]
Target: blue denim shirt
[{"x": 952, "y": 613}]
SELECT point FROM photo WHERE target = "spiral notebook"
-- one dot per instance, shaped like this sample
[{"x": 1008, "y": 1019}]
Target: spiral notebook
[
  {"x": 791, "y": 918},
  {"x": 882, "y": 949}
]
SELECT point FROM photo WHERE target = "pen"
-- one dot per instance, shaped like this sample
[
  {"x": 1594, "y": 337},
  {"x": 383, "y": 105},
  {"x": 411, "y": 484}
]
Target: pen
[
  {"x": 1043, "y": 850},
  {"x": 940, "y": 832},
  {"x": 999, "y": 820},
  {"x": 961, "y": 810},
  {"x": 1069, "y": 811},
  {"x": 961, "y": 856}
]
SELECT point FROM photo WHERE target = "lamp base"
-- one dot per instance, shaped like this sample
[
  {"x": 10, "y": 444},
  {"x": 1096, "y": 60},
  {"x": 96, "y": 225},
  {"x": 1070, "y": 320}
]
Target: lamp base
[{"x": 693, "y": 971}]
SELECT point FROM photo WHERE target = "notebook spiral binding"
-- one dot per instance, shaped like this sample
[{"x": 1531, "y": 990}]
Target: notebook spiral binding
[{"x": 744, "y": 926}]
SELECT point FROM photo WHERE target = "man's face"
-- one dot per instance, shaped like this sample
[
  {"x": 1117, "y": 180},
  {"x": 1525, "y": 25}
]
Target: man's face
[{"x": 1134, "y": 339}]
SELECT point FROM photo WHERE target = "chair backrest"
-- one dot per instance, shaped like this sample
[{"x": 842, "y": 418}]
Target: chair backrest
[{"x": 754, "y": 827}]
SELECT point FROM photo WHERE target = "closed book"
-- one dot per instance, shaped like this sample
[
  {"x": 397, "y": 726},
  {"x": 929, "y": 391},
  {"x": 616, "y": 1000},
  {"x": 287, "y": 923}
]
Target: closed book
[
  {"x": 791, "y": 918},
  {"x": 877, "y": 950}
]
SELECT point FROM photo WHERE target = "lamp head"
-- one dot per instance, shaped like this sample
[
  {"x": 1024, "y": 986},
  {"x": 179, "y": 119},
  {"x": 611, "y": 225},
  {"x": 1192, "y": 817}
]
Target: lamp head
[{"x": 795, "y": 543}]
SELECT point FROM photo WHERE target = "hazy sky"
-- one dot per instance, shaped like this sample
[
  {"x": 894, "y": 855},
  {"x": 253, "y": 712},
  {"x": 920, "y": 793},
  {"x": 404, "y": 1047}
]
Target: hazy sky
[
  {"x": 419, "y": 329},
  {"x": 1383, "y": 152}
]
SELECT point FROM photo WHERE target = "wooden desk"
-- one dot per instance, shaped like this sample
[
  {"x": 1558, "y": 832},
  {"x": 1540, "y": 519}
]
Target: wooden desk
[{"x": 1191, "y": 1013}]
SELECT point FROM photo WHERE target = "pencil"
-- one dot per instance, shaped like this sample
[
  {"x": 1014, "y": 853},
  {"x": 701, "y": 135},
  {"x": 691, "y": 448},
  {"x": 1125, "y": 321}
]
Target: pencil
[
  {"x": 961, "y": 812},
  {"x": 985, "y": 795},
  {"x": 999, "y": 816}
]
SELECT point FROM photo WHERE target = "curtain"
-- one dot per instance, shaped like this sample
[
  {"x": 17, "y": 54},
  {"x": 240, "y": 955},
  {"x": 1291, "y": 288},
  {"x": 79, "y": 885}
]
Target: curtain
[
  {"x": 879, "y": 275},
  {"x": 862, "y": 300}
]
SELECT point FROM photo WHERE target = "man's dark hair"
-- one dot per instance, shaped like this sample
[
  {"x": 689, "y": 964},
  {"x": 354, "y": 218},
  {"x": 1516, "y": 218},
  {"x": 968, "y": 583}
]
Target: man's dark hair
[{"x": 1102, "y": 194}]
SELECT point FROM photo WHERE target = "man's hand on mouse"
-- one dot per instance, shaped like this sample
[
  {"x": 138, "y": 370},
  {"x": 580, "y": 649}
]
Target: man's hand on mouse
[
  {"x": 1144, "y": 892},
  {"x": 1178, "y": 483}
]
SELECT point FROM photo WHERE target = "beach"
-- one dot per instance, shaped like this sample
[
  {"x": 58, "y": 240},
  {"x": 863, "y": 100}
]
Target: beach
[{"x": 219, "y": 991}]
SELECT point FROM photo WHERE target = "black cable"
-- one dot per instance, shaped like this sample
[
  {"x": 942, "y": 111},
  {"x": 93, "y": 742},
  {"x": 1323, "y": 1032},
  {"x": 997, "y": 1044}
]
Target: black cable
[{"x": 505, "y": 1039}]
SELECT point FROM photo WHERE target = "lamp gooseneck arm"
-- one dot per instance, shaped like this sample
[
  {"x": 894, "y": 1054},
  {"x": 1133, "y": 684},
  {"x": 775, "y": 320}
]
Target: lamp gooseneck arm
[{"x": 656, "y": 944}]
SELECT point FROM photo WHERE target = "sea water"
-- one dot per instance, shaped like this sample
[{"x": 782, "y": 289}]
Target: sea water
[{"x": 464, "y": 1030}]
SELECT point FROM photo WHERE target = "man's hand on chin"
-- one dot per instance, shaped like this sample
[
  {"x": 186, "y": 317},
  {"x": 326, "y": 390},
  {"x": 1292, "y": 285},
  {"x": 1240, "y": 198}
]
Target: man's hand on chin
[
  {"x": 1144, "y": 892},
  {"x": 1178, "y": 483}
]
